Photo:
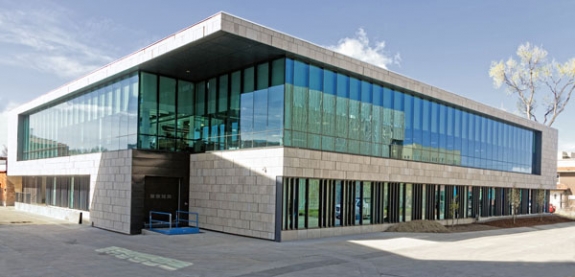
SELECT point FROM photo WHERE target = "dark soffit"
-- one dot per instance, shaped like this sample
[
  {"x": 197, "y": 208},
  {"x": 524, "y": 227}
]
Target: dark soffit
[{"x": 215, "y": 54}]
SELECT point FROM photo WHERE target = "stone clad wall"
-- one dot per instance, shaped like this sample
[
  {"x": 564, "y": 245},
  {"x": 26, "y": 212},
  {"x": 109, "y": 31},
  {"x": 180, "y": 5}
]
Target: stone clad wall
[
  {"x": 328, "y": 165},
  {"x": 234, "y": 191},
  {"x": 110, "y": 204}
]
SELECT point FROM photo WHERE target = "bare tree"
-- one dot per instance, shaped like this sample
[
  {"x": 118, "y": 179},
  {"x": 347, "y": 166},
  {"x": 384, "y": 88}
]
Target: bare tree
[
  {"x": 540, "y": 199},
  {"x": 536, "y": 82},
  {"x": 515, "y": 201},
  {"x": 453, "y": 208}
]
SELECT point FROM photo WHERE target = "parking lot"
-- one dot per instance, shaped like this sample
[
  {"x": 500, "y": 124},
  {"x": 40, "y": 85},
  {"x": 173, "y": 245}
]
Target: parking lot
[{"x": 31, "y": 245}]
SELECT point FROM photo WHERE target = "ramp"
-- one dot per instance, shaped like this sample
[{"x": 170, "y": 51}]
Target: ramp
[{"x": 179, "y": 226}]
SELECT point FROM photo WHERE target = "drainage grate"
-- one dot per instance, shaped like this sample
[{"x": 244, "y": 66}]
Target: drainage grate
[{"x": 19, "y": 222}]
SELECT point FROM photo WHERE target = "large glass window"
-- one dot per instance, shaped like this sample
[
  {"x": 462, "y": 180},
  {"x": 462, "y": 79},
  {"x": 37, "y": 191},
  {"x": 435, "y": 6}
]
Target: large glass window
[
  {"x": 166, "y": 115},
  {"x": 313, "y": 203},
  {"x": 347, "y": 114},
  {"x": 280, "y": 102},
  {"x": 242, "y": 109},
  {"x": 71, "y": 192},
  {"x": 313, "y": 206},
  {"x": 99, "y": 119}
]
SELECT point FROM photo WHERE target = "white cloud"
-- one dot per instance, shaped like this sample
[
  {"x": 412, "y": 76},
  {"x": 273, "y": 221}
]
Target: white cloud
[
  {"x": 48, "y": 40},
  {"x": 359, "y": 47}
]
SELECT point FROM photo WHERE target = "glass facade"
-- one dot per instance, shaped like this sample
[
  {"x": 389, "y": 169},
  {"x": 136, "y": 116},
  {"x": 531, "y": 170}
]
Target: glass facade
[
  {"x": 322, "y": 203},
  {"x": 331, "y": 111},
  {"x": 240, "y": 109},
  {"x": 101, "y": 119},
  {"x": 279, "y": 102},
  {"x": 60, "y": 191}
]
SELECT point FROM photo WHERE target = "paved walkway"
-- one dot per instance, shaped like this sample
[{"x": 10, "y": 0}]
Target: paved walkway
[{"x": 31, "y": 245}]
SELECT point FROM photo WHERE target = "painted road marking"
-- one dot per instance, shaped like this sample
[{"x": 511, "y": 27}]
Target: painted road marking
[{"x": 143, "y": 258}]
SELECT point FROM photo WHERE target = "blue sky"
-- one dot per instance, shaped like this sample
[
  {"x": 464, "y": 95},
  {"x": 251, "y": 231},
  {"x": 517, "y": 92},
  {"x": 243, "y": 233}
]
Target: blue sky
[{"x": 447, "y": 44}]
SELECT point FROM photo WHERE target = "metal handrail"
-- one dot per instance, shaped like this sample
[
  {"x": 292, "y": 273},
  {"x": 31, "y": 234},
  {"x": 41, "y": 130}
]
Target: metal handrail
[
  {"x": 152, "y": 221},
  {"x": 195, "y": 222}
]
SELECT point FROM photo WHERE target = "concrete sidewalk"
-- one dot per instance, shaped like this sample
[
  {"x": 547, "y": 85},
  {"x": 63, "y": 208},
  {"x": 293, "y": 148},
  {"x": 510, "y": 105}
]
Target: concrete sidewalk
[{"x": 35, "y": 246}]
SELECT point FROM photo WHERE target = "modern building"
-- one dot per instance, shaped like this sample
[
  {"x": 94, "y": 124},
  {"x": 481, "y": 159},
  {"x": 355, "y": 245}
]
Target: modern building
[
  {"x": 269, "y": 136},
  {"x": 562, "y": 195}
]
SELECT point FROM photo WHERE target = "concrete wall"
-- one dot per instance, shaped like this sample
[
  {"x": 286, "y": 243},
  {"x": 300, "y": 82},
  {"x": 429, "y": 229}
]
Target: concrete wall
[
  {"x": 110, "y": 183},
  {"x": 234, "y": 191},
  {"x": 349, "y": 230},
  {"x": 70, "y": 215},
  {"x": 332, "y": 232}
]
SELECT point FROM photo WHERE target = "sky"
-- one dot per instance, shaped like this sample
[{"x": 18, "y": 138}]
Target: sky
[{"x": 449, "y": 44}]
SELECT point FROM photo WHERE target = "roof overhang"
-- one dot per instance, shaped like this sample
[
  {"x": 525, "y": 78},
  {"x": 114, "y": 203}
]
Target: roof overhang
[{"x": 215, "y": 54}]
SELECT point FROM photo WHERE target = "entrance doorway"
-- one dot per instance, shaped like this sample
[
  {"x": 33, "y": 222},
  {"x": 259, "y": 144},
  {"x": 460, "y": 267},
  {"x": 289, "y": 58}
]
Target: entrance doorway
[{"x": 163, "y": 194}]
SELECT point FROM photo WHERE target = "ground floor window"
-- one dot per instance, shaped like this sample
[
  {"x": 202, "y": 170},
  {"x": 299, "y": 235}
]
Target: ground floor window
[
  {"x": 62, "y": 191},
  {"x": 310, "y": 203}
]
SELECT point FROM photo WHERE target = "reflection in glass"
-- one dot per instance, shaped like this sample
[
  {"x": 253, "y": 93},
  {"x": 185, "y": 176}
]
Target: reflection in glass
[
  {"x": 257, "y": 106},
  {"x": 99, "y": 119},
  {"x": 408, "y": 201},
  {"x": 313, "y": 208},
  {"x": 366, "y": 203},
  {"x": 301, "y": 205},
  {"x": 358, "y": 203}
]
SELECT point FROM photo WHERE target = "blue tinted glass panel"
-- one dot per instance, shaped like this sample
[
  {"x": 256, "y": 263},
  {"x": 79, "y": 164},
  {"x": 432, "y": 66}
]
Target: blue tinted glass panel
[
  {"x": 315, "y": 78},
  {"x": 408, "y": 112},
  {"x": 397, "y": 100},
  {"x": 354, "y": 89},
  {"x": 450, "y": 119},
  {"x": 426, "y": 123},
  {"x": 329, "y": 82},
  {"x": 450, "y": 125},
  {"x": 301, "y": 74},
  {"x": 442, "y": 126},
  {"x": 387, "y": 98},
  {"x": 434, "y": 117},
  {"x": 366, "y": 93},
  {"x": 417, "y": 120},
  {"x": 377, "y": 95},
  {"x": 471, "y": 136},
  {"x": 342, "y": 85},
  {"x": 289, "y": 71}
]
